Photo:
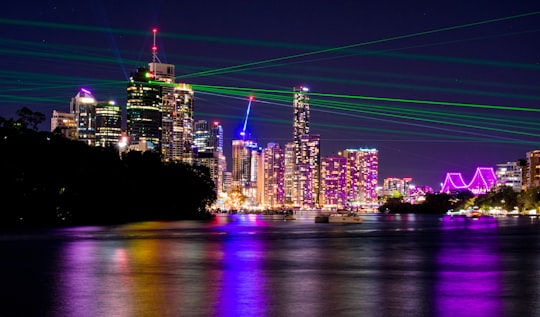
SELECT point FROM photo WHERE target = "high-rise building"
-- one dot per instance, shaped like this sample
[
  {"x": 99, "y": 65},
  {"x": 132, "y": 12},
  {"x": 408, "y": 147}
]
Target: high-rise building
[
  {"x": 289, "y": 164},
  {"x": 164, "y": 76},
  {"x": 300, "y": 118},
  {"x": 308, "y": 171},
  {"x": 273, "y": 171},
  {"x": 245, "y": 160},
  {"x": 108, "y": 123},
  {"x": 183, "y": 146},
  {"x": 533, "y": 169},
  {"x": 510, "y": 174},
  {"x": 306, "y": 176},
  {"x": 83, "y": 106},
  {"x": 64, "y": 123},
  {"x": 208, "y": 142},
  {"x": 143, "y": 111},
  {"x": 334, "y": 182},
  {"x": 362, "y": 175}
]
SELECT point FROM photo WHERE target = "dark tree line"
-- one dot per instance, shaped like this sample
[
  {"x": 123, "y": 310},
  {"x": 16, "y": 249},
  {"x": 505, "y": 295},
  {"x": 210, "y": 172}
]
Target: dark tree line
[
  {"x": 46, "y": 179},
  {"x": 503, "y": 197}
]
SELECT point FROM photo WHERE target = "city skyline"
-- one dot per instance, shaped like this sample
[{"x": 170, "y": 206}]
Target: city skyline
[{"x": 434, "y": 89}]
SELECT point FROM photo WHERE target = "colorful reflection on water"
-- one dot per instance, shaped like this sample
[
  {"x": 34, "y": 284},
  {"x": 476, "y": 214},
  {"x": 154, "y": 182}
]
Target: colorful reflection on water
[{"x": 246, "y": 265}]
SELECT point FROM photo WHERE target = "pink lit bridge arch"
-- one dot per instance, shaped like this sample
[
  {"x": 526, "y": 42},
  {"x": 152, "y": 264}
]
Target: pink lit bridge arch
[{"x": 483, "y": 180}]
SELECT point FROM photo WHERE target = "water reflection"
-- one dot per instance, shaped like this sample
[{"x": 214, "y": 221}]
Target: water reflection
[{"x": 398, "y": 265}]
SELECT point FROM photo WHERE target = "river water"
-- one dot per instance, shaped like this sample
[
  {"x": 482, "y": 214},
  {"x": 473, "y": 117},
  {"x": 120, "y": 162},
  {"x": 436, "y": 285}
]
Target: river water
[{"x": 248, "y": 265}]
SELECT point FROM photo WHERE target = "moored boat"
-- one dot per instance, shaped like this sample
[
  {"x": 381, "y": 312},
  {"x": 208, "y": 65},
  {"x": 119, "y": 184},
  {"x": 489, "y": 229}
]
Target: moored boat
[{"x": 345, "y": 217}]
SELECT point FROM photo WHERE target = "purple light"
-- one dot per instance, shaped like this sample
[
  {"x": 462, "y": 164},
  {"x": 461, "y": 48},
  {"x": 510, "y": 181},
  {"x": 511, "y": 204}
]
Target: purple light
[{"x": 483, "y": 180}]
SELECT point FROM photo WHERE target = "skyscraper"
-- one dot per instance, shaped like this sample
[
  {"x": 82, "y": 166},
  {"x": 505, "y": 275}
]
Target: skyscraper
[
  {"x": 83, "y": 106},
  {"x": 273, "y": 172},
  {"x": 108, "y": 123},
  {"x": 300, "y": 118},
  {"x": 182, "y": 116},
  {"x": 143, "y": 111},
  {"x": 362, "y": 175},
  {"x": 306, "y": 176},
  {"x": 208, "y": 142}
]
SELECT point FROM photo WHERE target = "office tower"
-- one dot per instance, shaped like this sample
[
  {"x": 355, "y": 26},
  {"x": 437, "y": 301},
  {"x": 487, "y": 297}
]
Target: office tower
[
  {"x": 183, "y": 146},
  {"x": 83, "y": 106},
  {"x": 108, "y": 123},
  {"x": 208, "y": 143},
  {"x": 273, "y": 171},
  {"x": 143, "y": 111},
  {"x": 510, "y": 174},
  {"x": 334, "y": 182},
  {"x": 394, "y": 187},
  {"x": 245, "y": 161},
  {"x": 208, "y": 138},
  {"x": 308, "y": 171},
  {"x": 164, "y": 76},
  {"x": 362, "y": 175},
  {"x": 64, "y": 123},
  {"x": 533, "y": 169},
  {"x": 300, "y": 119},
  {"x": 289, "y": 163}
]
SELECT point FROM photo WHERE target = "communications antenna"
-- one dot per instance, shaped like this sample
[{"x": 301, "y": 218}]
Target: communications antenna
[{"x": 154, "y": 48}]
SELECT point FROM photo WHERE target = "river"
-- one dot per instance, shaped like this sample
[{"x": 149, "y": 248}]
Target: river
[{"x": 249, "y": 265}]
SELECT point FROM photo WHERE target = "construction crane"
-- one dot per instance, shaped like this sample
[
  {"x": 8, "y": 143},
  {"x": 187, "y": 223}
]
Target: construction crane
[{"x": 243, "y": 133}]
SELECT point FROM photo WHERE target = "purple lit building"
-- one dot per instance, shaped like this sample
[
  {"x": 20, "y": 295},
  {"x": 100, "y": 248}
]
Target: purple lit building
[{"x": 334, "y": 181}]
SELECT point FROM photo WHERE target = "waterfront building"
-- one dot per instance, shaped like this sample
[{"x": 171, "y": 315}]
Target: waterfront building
[
  {"x": 245, "y": 161},
  {"x": 273, "y": 172},
  {"x": 289, "y": 190},
  {"x": 533, "y": 169},
  {"x": 64, "y": 123},
  {"x": 83, "y": 107},
  {"x": 308, "y": 169},
  {"x": 510, "y": 174},
  {"x": 108, "y": 123},
  {"x": 362, "y": 176},
  {"x": 306, "y": 175},
  {"x": 334, "y": 182}
]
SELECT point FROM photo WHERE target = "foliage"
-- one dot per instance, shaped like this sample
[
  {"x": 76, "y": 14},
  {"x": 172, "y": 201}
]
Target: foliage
[{"x": 50, "y": 180}]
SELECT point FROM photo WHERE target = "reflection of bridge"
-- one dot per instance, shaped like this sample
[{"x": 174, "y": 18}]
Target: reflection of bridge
[{"x": 483, "y": 180}]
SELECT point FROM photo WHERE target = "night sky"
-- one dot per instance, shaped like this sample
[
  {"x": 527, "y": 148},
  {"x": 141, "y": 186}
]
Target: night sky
[{"x": 435, "y": 87}]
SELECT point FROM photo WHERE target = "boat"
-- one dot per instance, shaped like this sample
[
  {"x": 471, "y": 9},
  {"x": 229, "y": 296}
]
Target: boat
[
  {"x": 321, "y": 219},
  {"x": 350, "y": 217},
  {"x": 289, "y": 217}
]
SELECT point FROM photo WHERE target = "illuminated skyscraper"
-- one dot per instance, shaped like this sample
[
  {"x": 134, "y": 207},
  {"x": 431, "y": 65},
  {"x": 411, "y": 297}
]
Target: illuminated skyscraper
[
  {"x": 183, "y": 147},
  {"x": 290, "y": 167},
  {"x": 273, "y": 181},
  {"x": 308, "y": 171},
  {"x": 533, "y": 169},
  {"x": 300, "y": 119},
  {"x": 362, "y": 175},
  {"x": 245, "y": 160},
  {"x": 510, "y": 174},
  {"x": 144, "y": 100},
  {"x": 83, "y": 106},
  {"x": 208, "y": 142},
  {"x": 164, "y": 75},
  {"x": 306, "y": 177},
  {"x": 108, "y": 123},
  {"x": 334, "y": 182}
]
